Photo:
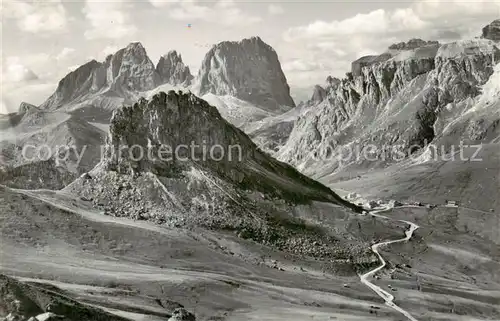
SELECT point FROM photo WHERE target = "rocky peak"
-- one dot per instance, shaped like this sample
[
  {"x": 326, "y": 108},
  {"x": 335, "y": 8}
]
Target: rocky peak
[
  {"x": 248, "y": 69},
  {"x": 131, "y": 69},
  {"x": 126, "y": 71},
  {"x": 492, "y": 31},
  {"x": 412, "y": 44},
  {"x": 172, "y": 70},
  {"x": 75, "y": 84}
]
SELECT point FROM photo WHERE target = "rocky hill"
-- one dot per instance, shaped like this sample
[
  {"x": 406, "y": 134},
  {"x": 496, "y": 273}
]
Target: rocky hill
[
  {"x": 248, "y": 69},
  {"x": 249, "y": 192}
]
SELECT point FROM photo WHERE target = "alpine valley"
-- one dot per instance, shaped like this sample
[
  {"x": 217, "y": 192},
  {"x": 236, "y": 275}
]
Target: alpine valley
[{"x": 298, "y": 227}]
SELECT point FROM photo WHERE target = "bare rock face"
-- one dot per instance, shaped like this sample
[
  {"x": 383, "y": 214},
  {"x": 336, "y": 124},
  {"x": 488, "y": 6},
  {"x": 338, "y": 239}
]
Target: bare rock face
[
  {"x": 172, "y": 70},
  {"x": 249, "y": 70},
  {"x": 492, "y": 31},
  {"x": 462, "y": 68}
]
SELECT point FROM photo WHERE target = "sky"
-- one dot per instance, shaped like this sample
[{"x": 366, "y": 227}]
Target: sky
[{"x": 43, "y": 40}]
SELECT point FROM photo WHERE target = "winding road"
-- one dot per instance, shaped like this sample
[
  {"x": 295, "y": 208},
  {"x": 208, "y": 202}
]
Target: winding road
[{"x": 388, "y": 298}]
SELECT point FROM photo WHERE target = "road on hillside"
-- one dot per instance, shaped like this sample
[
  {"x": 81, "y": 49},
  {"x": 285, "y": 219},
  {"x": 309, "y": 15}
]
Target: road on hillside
[{"x": 386, "y": 296}]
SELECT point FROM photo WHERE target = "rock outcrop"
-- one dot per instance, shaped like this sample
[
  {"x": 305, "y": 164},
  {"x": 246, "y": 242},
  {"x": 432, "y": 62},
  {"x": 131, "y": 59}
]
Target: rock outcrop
[
  {"x": 492, "y": 31},
  {"x": 247, "y": 69},
  {"x": 172, "y": 70}
]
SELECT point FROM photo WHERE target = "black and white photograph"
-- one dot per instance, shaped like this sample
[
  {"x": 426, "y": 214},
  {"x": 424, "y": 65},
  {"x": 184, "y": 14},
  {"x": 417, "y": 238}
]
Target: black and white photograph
[{"x": 250, "y": 160}]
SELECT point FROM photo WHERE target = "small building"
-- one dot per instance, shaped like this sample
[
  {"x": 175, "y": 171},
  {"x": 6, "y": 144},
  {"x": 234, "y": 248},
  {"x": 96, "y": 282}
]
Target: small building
[{"x": 451, "y": 203}]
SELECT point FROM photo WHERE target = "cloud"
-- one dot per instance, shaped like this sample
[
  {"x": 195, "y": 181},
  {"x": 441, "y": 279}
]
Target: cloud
[
  {"x": 326, "y": 46},
  {"x": 110, "y": 50},
  {"x": 274, "y": 9},
  {"x": 302, "y": 65},
  {"x": 223, "y": 12},
  {"x": 13, "y": 71},
  {"x": 65, "y": 53},
  {"x": 370, "y": 33},
  {"x": 36, "y": 16},
  {"x": 3, "y": 108},
  {"x": 73, "y": 68},
  {"x": 33, "y": 92},
  {"x": 163, "y": 3},
  {"x": 375, "y": 22},
  {"x": 108, "y": 19}
]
